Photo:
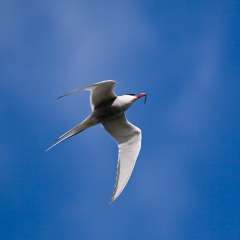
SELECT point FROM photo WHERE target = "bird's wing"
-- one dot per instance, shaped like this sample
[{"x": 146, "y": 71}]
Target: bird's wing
[
  {"x": 128, "y": 137},
  {"x": 100, "y": 92}
]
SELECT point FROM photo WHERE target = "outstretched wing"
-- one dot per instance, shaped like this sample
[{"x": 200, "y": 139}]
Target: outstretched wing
[
  {"x": 101, "y": 92},
  {"x": 129, "y": 138}
]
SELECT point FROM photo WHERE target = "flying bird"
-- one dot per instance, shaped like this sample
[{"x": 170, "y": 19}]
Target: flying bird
[{"x": 109, "y": 109}]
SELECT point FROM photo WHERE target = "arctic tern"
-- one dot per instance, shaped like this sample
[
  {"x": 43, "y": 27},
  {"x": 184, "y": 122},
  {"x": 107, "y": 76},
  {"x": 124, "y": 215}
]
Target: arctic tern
[{"x": 109, "y": 110}]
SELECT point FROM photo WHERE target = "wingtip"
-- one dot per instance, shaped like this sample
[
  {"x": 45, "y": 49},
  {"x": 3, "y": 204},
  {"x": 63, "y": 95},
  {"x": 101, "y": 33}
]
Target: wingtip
[
  {"x": 65, "y": 95},
  {"x": 114, "y": 197},
  {"x": 112, "y": 200},
  {"x": 60, "y": 97}
]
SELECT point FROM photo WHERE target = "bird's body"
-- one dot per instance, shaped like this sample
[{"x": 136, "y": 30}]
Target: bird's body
[
  {"x": 108, "y": 109},
  {"x": 113, "y": 108}
]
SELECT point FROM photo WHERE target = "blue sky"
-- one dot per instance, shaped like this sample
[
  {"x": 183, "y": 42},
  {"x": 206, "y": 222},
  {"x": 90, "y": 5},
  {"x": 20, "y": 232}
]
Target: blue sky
[{"x": 185, "y": 54}]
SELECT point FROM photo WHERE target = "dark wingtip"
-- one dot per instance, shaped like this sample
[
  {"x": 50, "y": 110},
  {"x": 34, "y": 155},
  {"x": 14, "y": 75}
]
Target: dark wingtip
[
  {"x": 58, "y": 98},
  {"x": 65, "y": 95}
]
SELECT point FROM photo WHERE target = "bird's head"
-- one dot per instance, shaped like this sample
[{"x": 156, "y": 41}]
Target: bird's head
[{"x": 125, "y": 101}]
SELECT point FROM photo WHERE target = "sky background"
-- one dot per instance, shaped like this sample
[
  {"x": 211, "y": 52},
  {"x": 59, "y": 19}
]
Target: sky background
[{"x": 185, "y": 54}]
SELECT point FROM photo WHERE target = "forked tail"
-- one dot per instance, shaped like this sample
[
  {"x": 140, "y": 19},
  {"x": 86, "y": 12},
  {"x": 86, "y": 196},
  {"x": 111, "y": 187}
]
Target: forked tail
[{"x": 72, "y": 132}]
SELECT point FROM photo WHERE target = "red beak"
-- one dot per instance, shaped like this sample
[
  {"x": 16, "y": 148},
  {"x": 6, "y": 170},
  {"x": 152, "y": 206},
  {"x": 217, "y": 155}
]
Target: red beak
[{"x": 142, "y": 94}]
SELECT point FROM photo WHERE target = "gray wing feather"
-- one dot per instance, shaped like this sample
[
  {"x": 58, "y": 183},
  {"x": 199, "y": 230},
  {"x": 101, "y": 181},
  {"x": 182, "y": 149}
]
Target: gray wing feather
[
  {"x": 129, "y": 138},
  {"x": 100, "y": 92}
]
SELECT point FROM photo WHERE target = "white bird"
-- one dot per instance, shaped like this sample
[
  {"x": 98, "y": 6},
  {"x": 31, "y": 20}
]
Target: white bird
[{"x": 108, "y": 109}]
